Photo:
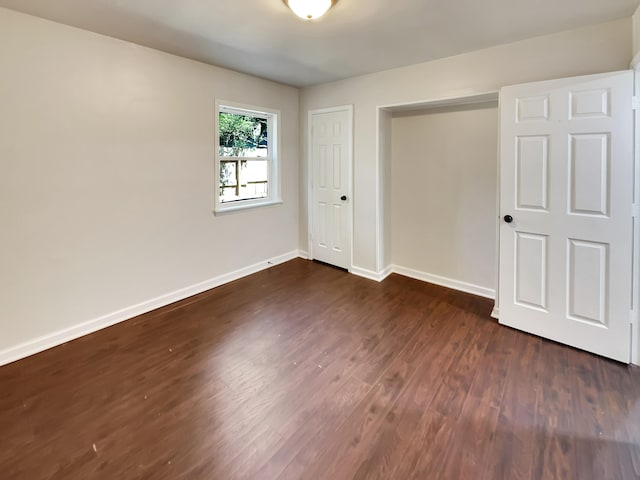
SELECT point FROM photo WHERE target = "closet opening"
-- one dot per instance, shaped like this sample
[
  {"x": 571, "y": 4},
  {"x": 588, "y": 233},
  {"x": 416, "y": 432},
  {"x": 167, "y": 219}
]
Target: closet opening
[{"x": 438, "y": 188}]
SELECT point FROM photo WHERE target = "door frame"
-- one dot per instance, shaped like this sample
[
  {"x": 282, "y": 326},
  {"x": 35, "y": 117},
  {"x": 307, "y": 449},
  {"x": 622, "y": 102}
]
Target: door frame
[
  {"x": 635, "y": 293},
  {"x": 311, "y": 113}
]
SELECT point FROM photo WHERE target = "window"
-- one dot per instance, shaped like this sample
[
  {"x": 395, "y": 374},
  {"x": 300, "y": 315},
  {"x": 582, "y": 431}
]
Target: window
[{"x": 246, "y": 157}]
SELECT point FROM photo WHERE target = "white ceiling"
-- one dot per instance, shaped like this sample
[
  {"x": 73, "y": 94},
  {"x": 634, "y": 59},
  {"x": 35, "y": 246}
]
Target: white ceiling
[{"x": 263, "y": 38}]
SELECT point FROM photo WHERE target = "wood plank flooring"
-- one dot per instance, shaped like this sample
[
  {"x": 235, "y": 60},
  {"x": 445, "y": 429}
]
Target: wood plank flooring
[{"x": 306, "y": 372}]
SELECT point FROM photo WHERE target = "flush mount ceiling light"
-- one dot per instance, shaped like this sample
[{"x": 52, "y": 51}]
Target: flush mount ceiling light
[{"x": 310, "y": 9}]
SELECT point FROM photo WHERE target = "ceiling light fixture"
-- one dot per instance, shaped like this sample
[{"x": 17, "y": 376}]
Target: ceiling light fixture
[{"x": 310, "y": 9}]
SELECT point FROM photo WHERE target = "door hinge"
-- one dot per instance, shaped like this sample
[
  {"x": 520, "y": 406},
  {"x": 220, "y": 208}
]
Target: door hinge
[
  {"x": 635, "y": 211},
  {"x": 635, "y": 103}
]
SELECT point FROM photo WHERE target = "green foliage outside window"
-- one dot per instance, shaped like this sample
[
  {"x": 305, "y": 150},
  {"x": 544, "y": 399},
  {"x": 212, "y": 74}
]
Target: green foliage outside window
[{"x": 240, "y": 134}]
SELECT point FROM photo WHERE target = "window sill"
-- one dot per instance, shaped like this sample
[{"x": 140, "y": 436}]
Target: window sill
[{"x": 228, "y": 209}]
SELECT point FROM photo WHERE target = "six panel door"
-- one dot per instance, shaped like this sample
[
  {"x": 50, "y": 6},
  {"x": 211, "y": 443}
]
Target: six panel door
[
  {"x": 330, "y": 141},
  {"x": 566, "y": 181}
]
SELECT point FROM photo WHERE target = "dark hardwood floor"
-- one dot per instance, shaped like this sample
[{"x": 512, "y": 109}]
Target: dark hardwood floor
[{"x": 306, "y": 372}]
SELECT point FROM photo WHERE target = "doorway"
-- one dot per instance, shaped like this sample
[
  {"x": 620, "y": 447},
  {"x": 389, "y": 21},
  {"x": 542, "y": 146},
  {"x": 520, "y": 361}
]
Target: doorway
[
  {"x": 443, "y": 195},
  {"x": 437, "y": 192}
]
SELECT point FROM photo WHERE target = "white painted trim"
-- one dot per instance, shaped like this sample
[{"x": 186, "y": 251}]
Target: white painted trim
[
  {"x": 247, "y": 206},
  {"x": 310, "y": 184},
  {"x": 386, "y": 272},
  {"x": 379, "y": 199},
  {"x": 429, "y": 278},
  {"x": 498, "y": 215},
  {"x": 482, "y": 97},
  {"x": 635, "y": 63},
  {"x": 303, "y": 254},
  {"x": 635, "y": 293},
  {"x": 371, "y": 275},
  {"x": 54, "y": 339},
  {"x": 310, "y": 113},
  {"x": 495, "y": 313},
  {"x": 364, "y": 273},
  {"x": 445, "y": 282}
]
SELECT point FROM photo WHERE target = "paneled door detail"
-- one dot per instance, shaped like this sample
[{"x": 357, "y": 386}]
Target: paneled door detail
[
  {"x": 566, "y": 194},
  {"x": 331, "y": 187}
]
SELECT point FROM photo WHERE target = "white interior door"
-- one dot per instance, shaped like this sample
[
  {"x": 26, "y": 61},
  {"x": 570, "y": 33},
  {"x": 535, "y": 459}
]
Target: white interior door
[
  {"x": 331, "y": 187},
  {"x": 566, "y": 179}
]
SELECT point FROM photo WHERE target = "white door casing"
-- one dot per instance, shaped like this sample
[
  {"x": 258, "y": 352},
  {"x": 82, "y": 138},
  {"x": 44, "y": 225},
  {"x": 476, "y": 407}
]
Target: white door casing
[
  {"x": 330, "y": 185},
  {"x": 566, "y": 178}
]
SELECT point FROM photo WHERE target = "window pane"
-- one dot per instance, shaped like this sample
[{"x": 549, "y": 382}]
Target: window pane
[
  {"x": 243, "y": 180},
  {"x": 256, "y": 176},
  {"x": 228, "y": 173},
  {"x": 242, "y": 135}
]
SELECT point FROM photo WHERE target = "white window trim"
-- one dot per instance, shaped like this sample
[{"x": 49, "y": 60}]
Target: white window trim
[{"x": 274, "y": 198}]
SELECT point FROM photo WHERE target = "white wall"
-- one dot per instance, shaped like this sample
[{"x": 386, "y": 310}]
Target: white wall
[
  {"x": 443, "y": 193},
  {"x": 598, "y": 48},
  {"x": 636, "y": 34},
  {"x": 106, "y": 177}
]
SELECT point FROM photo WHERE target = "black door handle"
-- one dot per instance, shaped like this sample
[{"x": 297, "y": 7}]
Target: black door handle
[
  {"x": 343, "y": 198},
  {"x": 508, "y": 218}
]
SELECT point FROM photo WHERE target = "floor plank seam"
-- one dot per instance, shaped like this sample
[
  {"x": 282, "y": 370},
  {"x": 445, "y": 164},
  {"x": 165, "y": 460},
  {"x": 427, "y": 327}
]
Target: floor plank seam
[{"x": 304, "y": 372}]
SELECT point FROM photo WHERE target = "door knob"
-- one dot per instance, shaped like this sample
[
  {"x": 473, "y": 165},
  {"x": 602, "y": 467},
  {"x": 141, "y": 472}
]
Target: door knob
[
  {"x": 508, "y": 218},
  {"x": 343, "y": 198}
]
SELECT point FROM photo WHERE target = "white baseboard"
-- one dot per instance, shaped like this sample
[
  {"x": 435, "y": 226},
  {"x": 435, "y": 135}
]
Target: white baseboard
[
  {"x": 426, "y": 277},
  {"x": 370, "y": 274},
  {"x": 445, "y": 282},
  {"x": 46, "y": 342},
  {"x": 386, "y": 272},
  {"x": 495, "y": 313},
  {"x": 303, "y": 254}
]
